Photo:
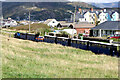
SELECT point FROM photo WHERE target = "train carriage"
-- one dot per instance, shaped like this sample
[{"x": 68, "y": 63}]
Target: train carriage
[
  {"x": 106, "y": 48},
  {"x": 63, "y": 41},
  {"x": 83, "y": 44},
  {"x": 67, "y": 42},
  {"x": 100, "y": 47},
  {"x": 31, "y": 37},
  {"x": 60, "y": 40},
  {"x": 94, "y": 46},
  {"x": 22, "y": 35},
  {"x": 74, "y": 43},
  {"x": 49, "y": 39}
]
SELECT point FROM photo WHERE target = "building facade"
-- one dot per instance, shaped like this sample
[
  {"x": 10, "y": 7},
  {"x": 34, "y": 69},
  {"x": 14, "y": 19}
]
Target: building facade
[{"x": 107, "y": 28}]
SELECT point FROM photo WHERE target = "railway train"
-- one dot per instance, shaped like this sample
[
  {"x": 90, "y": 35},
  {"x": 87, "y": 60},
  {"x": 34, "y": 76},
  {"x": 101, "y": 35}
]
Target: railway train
[{"x": 94, "y": 46}]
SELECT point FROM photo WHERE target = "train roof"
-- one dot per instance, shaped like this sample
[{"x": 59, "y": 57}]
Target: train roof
[
  {"x": 63, "y": 37},
  {"x": 80, "y": 40},
  {"x": 50, "y": 36},
  {"x": 108, "y": 44}
]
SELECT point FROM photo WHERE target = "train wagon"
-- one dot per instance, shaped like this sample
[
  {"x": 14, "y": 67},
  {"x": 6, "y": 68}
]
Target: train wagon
[
  {"x": 49, "y": 39},
  {"x": 83, "y": 44},
  {"x": 32, "y": 36},
  {"x": 74, "y": 43},
  {"x": 63, "y": 41},
  {"x": 100, "y": 47}
]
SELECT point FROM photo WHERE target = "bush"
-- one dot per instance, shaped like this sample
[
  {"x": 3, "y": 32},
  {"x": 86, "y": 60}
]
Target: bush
[
  {"x": 80, "y": 35},
  {"x": 64, "y": 34}
]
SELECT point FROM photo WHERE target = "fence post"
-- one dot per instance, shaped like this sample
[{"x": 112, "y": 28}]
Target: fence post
[{"x": 10, "y": 34}]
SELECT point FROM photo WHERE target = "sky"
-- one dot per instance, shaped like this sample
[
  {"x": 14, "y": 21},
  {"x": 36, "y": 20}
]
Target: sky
[{"x": 96, "y": 1}]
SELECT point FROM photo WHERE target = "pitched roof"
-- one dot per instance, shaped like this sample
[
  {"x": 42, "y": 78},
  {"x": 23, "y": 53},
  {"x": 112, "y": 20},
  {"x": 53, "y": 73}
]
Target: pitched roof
[
  {"x": 48, "y": 20},
  {"x": 108, "y": 25},
  {"x": 78, "y": 15},
  {"x": 84, "y": 25}
]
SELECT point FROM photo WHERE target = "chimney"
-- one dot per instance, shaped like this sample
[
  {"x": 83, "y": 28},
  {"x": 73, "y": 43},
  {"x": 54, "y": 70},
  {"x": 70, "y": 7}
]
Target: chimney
[
  {"x": 91, "y": 9},
  {"x": 104, "y": 10},
  {"x": 80, "y": 10}
]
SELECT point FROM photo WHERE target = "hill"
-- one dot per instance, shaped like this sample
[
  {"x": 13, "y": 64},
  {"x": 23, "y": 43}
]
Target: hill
[
  {"x": 41, "y": 10},
  {"x": 106, "y": 5},
  {"x": 28, "y": 59}
]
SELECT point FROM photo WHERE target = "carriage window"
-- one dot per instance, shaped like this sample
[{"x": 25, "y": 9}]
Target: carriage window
[{"x": 73, "y": 41}]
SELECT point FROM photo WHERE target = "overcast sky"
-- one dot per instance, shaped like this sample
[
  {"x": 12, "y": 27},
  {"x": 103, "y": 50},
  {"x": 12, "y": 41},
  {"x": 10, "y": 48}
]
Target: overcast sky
[{"x": 96, "y": 1}]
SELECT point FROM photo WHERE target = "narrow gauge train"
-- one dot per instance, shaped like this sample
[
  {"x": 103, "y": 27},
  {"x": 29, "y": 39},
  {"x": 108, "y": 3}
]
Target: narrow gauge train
[{"x": 94, "y": 46}]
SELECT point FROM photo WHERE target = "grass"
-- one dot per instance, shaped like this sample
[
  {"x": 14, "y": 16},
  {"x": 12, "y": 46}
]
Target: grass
[
  {"x": 33, "y": 27},
  {"x": 28, "y": 59},
  {"x": 116, "y": 40}
]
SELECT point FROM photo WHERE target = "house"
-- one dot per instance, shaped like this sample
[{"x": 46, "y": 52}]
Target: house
[
  {"x": 83, "y": 27},
  {"x": 70, "y": 31},
  {"x": 108, "y": 16},
  {"x": 24, "y": 22},
  {"x": 89, "y": 16},
  {"x": 51, "y": 22},
  {"x": 9, "y": 22},
  {"x": 106, "y": 28},
  {"x": 115, "y": 16},
  {"x": 93, "y": 16},
  {"x": 64, "y": 24},
  {"x": 102, "y": 17}
]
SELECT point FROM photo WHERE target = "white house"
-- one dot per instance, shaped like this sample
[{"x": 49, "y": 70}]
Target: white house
[
  {"x": 115, "y": 16},
  {"x": 88, "y": 17},
  {"x": 51, "y": 22},
  {"x": 70, "y": 31},
  {"x": 102, "y": 17},
  {"x": 9, "y": 22}
]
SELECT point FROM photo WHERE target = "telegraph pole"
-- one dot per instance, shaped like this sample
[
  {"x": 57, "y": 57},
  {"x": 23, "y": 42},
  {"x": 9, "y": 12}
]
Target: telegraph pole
[
  {"x": 29, "y": 21},
  {"x": 75, "y": 4},
  {"x": 75, "y": 14}
]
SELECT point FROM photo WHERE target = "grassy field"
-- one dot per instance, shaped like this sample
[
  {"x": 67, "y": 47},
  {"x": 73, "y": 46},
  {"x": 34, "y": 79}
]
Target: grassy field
[{"x": 28, "y": 59}]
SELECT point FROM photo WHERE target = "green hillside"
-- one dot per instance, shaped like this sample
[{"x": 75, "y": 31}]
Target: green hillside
[{"x": 41, "y": 10}]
